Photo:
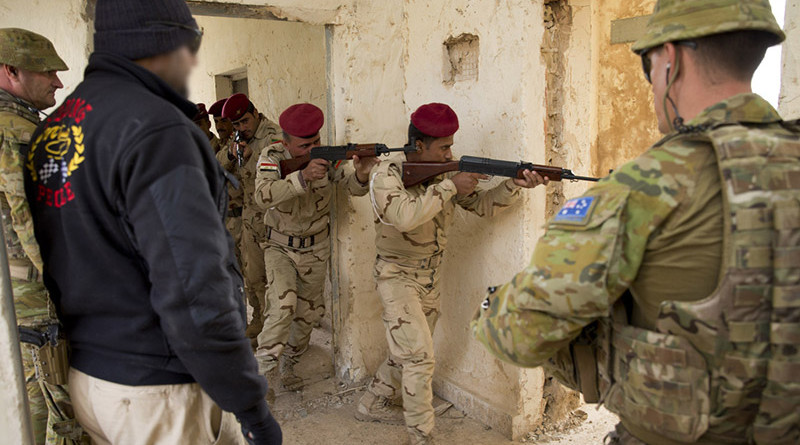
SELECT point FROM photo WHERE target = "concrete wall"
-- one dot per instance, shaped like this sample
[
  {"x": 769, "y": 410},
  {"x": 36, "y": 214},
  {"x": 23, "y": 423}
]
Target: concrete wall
[
  {"x": 65, "y": 22},
  {"x": 626, "y": 123},
  {"x": 790, "y": 90},
  {"x": 285, "y": 62}
]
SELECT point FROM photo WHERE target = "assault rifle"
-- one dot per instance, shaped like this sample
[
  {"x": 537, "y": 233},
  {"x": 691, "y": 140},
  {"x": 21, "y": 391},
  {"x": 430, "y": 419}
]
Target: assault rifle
[
  {"x": 418, "y": 172},
  {"x": 341, "y": 153}
]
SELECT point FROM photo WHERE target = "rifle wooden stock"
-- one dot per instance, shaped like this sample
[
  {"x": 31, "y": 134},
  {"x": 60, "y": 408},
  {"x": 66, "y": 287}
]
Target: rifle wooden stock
[{"x": 418, "y": 172}]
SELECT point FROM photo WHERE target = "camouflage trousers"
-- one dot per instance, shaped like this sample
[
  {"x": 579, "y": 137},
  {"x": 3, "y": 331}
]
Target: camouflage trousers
[
  {"x": 410, "y": 297},
  {"x": 621, "y": 436},
  {"x": 295, "y": 300},
  {"x": 234, "y": 226},
  {"x": 252, "y": 258},
  {"x": 52, "y": 418}
]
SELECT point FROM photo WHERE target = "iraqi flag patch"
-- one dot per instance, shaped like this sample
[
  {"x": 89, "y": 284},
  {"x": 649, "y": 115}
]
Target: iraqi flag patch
[{"x": 268, "y": 167}]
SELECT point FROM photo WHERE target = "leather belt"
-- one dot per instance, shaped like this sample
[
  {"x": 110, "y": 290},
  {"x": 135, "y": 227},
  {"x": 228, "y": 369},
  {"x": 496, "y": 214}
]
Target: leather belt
[
  {"x": 297, "y": 242},
  {"x": 235, "y": 212},
  {"x": 426, "y": 263}
]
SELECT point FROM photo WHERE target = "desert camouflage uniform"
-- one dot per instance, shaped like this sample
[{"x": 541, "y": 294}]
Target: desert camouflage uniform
[
  {"x": 50, "y": 406},
  {"x": 684, "y": 353},
  {"x": 252, "y": 221},
  {"x": 295, "y": 274},
  {"x": 215, "y": 143},
  {"x": 235, "y": 203},
  {"x": 411, "y": 228}
]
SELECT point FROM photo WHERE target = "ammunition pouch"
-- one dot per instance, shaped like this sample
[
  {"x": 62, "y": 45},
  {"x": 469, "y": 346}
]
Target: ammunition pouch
[{"x": 52, "y": 356}]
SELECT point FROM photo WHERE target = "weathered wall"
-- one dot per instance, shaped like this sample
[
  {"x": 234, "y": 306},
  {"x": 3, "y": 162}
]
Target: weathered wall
[
  {"x": 65, "y": 22},
  {"x": 790, "y": 90},
  {"x": 285, "y": 62},
  {"x": 625, "y": 118}
]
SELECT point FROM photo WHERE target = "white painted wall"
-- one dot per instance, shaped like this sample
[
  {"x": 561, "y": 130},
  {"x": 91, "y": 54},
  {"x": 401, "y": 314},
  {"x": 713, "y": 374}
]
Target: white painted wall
[
  {"x": 64, "y": 22},
  {"x": 285, "y": 62},
  {"x": 789, "y": 104}
]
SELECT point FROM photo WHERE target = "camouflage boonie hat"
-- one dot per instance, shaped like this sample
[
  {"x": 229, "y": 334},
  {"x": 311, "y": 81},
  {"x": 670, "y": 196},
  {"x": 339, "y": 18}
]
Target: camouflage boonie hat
[
  {"x": 29, "y": 51},
  {"x": 675, "y": 20}
]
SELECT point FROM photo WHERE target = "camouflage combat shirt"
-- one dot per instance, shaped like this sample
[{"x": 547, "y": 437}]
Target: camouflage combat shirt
[
  {"x": 292, "y": 207},
  {"x": 17, "y": 123},
  {"x": 411, "y": 224},
  {"x": 654, "y": 227}
]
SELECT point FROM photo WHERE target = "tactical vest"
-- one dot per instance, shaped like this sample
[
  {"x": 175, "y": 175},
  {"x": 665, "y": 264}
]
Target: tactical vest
[{"x": 726, "y": 367}]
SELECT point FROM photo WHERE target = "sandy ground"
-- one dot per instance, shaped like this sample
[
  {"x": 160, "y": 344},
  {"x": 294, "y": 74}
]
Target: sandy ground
[{"x": 323, "y": 414}]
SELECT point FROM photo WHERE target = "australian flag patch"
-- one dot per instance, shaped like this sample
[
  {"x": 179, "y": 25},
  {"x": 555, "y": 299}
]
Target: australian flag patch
[{"x": 576, "y": 211}]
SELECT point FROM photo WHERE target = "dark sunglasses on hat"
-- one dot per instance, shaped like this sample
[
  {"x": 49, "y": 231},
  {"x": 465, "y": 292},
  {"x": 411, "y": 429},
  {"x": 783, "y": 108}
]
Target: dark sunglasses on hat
[
  {"x": 194, "y": 45},
  {"x": 647, "y": 64}
]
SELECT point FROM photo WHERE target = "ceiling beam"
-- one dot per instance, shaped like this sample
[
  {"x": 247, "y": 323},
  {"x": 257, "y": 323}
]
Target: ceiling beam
[{"x": 233, "y": 10}]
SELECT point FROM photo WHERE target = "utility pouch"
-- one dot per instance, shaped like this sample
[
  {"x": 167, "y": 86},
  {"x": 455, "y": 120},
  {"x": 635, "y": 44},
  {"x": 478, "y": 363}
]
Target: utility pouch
[{"x": 52, "y": 357}]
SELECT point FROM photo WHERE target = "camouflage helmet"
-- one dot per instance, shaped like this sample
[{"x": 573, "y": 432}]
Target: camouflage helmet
[
  {"x": 29, "y": 51},
  {"x": 675, "y": 20}
]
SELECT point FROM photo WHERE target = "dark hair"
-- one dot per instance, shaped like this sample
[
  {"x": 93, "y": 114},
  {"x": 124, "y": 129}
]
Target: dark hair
[
  {"x": 733, "y": 55},
  {"x": 414, "y": 133}
]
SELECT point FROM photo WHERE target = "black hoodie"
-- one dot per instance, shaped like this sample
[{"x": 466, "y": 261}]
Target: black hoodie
[{"x": 128, "y": 206}]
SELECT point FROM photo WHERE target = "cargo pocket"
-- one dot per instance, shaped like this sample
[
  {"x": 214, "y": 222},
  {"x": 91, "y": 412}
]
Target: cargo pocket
[{"x": 661, "y": 383}]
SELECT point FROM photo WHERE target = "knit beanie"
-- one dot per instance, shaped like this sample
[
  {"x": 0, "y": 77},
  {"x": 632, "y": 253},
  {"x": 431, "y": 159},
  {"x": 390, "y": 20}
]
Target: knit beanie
[{"x": 136, "y": 29}]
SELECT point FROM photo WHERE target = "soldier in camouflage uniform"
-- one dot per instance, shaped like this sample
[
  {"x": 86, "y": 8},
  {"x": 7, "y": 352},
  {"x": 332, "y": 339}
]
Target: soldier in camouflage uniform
[
  {"x": 411, "y": 227},
  {"x": 257, "y": 133},
  {"x": 671, "y": 290},
  {"x": 28, "y": 81},
  {"x": 235, "y": 198},
  {"x": 297, "y": 244}
]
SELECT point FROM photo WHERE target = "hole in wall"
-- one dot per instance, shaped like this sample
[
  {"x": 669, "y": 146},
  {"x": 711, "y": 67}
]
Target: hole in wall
[{"x": 461, "y": 58}]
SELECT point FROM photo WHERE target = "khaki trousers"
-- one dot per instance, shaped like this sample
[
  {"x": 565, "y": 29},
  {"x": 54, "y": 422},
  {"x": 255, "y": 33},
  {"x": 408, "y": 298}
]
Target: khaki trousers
[
  {"x": 253, "y": 269},
  {"x": 295, "y": 299},
  {"x": 410, "y": 298},
  {"x": 150, "y": 415}
]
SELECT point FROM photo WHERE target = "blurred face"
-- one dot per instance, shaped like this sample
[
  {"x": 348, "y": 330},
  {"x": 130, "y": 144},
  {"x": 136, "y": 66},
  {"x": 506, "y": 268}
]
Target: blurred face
[
  {"x": 176, "y": 68},
  {"x": 299, "y": 147},
  {"x": 224, "y": 128},
  {"x": 38, "y": 88},
  {"x": 247, "y": 125},
  {"x": 438, "y": 150}
]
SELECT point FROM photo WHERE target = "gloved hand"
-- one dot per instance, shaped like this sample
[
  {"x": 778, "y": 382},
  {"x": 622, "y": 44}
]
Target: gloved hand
[{"x": 259, "y": 427}]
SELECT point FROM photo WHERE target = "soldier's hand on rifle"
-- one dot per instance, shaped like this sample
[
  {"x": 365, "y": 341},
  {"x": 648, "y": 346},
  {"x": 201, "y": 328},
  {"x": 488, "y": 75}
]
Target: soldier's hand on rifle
[
  {"x": 245, "y": 149},
  {"x": 317, "y": 169},
  {"x": 466, "y": 182},
  {"x": 531, "y": 180},
  {"x": 364, "y": 166}
]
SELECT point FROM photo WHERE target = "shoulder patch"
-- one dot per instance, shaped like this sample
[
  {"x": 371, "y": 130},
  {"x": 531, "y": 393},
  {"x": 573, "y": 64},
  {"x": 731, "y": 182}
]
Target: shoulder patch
[
  {"x": 268, "y": 166},
  {"x": 577, "y": 211}
]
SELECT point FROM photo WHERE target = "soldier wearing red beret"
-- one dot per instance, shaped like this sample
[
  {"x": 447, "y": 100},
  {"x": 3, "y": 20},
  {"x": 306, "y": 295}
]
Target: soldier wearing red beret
[
  {"x": 223, "y": 126},
  {"x": 298, "y": 246},
  {"x": 256, "y": 133},
  {"x": 202, "y": 120},
  {"x": 411, "y": 229}
]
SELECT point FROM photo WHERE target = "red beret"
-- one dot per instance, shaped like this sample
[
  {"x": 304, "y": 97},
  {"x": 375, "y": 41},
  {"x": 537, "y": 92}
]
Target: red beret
[
  {"x": 235, "y": 107},
  {"x": 302, "y": 120},
  {"x": 216, "y": 109},
  {"x": 201, "y": 112},
  {"x": 435, "y": 120}
]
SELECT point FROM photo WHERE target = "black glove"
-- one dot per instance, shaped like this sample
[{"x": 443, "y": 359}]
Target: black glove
[{"x": 259, "y": 427}]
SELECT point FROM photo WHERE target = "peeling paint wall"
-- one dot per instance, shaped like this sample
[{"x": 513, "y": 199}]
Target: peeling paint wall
[
  {"x": 790, "y": 91},
  {"x": 285, "y": 62},
  {"x": 65, "y": 22},
  {"x": 626, "y": 121}
]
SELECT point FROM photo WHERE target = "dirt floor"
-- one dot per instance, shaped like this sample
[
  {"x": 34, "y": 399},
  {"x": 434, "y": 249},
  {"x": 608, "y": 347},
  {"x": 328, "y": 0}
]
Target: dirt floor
[{"x": 323, "y": 414}]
